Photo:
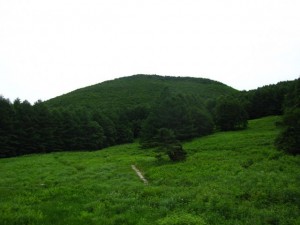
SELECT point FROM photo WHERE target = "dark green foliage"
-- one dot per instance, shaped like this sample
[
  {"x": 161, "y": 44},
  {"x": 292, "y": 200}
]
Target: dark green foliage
[
  {"x": 167, "y": 143},
  {"x": 26, "y": 129},
  {"x": 89, "y": 133},
  {"x": 173, "y": 118},
  {"x": 267, "y": 100},
  {"x": 289, "y": 139},
  {"x": 178, "y": 113},
  {"x": 93, "y": 135},
  {"x": 109, "y": 129},
  {"x": 132, "y": 91},
  {"x": 136, "y": 116},
  {"x": 202, "y": 120},
  {"x": 44, "y": 124},
  {"x": 6, "y": 128},
  {"x": 69, "y": 131},
  {"x": 127, "y": 102},
  {"x": 124, "y": 131},
  {"x": 230, "y": 114},
  {"x": 124, "y": 109},
  {"x": 76, "y": 131},
  {"x": 176, "y": 152},
  {"x": 292, "y": 98}
]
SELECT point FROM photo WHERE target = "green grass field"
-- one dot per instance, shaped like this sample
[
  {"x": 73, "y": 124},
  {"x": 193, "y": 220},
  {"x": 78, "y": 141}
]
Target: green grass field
[{"x": 228, "y": 178}]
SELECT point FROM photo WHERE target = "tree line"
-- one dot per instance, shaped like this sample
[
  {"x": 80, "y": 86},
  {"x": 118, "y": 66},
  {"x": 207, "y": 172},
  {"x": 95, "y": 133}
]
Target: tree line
[
  {"x": 173, "y": 118},
  {"x": 26, "y": 128},
  {"x": 289, "y": 138}
]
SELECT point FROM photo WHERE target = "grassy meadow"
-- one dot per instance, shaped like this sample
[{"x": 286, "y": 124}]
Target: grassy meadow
[{"x": 228, "y": 178}]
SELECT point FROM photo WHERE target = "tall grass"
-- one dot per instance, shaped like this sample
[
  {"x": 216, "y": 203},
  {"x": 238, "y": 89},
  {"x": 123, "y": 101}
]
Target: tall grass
[{"x": 228, "y": 178}]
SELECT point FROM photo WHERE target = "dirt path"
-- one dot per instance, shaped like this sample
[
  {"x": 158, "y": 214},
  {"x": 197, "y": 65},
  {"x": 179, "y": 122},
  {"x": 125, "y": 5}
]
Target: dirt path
[{"x": 140, "y": 175}]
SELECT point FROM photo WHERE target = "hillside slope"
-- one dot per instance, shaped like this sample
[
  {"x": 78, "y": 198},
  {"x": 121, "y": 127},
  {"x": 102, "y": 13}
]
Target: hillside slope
[
  {"x": 136, "y": 90},
  {"x": 229, "y": 178}
]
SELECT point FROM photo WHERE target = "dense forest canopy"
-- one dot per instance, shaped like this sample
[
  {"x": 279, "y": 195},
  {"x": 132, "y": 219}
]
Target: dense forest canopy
[
  {"x": 139, "y": 106},
  {"x": 289, "y": 139},
  {"x": 136, "y": 90}
]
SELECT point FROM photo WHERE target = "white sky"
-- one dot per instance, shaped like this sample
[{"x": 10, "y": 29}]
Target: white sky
[{"x": 51, "y": 47}]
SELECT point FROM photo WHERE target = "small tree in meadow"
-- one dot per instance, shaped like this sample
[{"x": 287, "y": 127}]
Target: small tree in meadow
[{"x": 167, "y": 143}]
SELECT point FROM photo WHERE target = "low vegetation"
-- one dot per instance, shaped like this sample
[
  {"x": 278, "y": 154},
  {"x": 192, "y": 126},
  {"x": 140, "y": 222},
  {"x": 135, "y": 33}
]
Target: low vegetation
[{"x": 233, "y": 178}]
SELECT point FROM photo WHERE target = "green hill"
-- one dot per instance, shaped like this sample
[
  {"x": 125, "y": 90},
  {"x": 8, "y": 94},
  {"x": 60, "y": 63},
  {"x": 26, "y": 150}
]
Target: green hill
[
  {"x": 137, "y": 90},
  {"x": 228, "y": 178}
]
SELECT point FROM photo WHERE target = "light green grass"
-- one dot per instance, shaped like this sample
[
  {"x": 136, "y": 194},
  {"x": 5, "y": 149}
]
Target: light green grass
[{"x": 228, "y": 178}]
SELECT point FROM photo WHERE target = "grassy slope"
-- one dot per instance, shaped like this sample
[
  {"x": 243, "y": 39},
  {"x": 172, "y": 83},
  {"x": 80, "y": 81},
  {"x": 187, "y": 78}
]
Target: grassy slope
[
  {"x": 228, "y": 178},
  {"x": 137, "y": 89}
]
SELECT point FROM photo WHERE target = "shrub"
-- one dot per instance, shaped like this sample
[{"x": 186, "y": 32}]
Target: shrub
[
  {"x": 289, "y": 139},
  {"x": 166, "y": 142}
]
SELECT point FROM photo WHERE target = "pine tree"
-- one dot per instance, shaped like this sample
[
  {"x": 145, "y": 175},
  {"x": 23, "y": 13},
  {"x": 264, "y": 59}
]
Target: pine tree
[
  {"x": 6, "y": 128},
  {"x": 289, "y": 139},
  {"x": 167, "y": 143},
  {"x": 230, "y": 114},
  {"x": 25, "y": 135},
  {"x": 109, "y": 129}
]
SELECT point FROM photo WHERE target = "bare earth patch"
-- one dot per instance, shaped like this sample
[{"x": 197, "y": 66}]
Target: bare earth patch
[{"x": 140, "y": 175}]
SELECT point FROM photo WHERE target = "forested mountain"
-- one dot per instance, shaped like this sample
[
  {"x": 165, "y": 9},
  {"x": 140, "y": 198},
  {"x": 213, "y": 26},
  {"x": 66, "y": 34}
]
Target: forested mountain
[
  {"x": 135, "y": 90},
  {"x": 106, "y": 114},
  {"x": 155, "y": 109}
]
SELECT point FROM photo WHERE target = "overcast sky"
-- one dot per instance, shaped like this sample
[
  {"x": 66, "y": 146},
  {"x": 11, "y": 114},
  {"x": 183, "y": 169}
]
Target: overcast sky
[{"x": 48, "y": 48}]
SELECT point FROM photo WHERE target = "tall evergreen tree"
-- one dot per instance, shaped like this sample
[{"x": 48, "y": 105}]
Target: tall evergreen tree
[
  {"x": 123, "y": 129},
  {"x": 289, "y": 139},
  {"x": 24, "y": 128},
  {"x": 43, "y": 128},
  {"x": 89, "y": 135},
  {"x": 109, "y": 129},
  {"x": 167, "y": 143},
  {"x": 230, "y": 114},
  {"x": 136, "y": 115},
  {"x": 57, "y": 127},
  {"x": 177, "y": 113},
  {"x": 6, "y": 128},
  {"x": 69, "y": 131}
]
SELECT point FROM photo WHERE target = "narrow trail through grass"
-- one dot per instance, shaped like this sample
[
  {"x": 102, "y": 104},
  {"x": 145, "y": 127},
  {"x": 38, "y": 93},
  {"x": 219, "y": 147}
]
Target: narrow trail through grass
[{"x": 139, "y": 174}]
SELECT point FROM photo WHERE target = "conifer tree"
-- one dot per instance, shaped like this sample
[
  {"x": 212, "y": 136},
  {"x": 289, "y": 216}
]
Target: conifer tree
[
  {"x": 6, "y": 128},
  {"x": 230, "y": 114},
  {"x": 289, "y": 139}
]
